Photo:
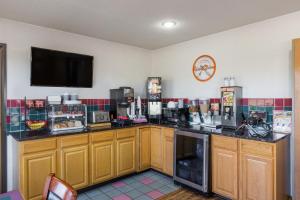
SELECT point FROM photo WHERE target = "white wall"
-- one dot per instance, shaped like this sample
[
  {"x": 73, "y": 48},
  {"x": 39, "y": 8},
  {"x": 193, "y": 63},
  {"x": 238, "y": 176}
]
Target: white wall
[
  {"x": 258, "y": 55},
  {"x": 114, "y": 64}
]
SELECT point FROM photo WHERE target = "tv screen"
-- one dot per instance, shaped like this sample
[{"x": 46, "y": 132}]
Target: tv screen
[{"x": 60, "y": 69}]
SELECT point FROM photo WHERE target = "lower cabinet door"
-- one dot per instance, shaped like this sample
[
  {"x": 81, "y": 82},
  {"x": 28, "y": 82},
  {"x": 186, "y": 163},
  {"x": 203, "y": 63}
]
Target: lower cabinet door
[
  {"x": 125, "y": 156},
  {"x": 168, "y": 149},
  {"x": 257, "y": 177},
  {"x": 156, "y": 149},
  {"x": 145, "y": 148},
  {"x": 102, "y": 161},
  {"x": 74, "y": 166},
  {"x": 225, "y": 172},
  {"x": 35, "y": 168}
]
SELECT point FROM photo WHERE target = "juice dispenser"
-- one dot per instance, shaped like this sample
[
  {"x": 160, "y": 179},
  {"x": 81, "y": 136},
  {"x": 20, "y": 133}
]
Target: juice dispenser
[{"x": 231, "y": 109}]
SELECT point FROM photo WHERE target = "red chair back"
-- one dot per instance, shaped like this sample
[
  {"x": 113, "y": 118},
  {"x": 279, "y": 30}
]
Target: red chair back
[{"x": 56, "y": 189}]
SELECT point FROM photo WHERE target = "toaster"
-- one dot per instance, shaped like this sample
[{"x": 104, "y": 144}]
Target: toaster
[{"x": 98, "y": 117}]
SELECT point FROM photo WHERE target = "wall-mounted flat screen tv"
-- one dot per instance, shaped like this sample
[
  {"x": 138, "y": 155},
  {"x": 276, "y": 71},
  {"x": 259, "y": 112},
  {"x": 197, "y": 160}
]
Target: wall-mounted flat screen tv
[{"x": 60, "y": 69}]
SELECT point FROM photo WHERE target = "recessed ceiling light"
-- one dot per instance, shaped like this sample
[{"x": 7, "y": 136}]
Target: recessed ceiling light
[{"x": 168, "y": 24}]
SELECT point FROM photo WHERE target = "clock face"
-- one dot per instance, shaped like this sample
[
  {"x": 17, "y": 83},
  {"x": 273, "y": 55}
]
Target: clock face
[{"x": 204, "y": 68}]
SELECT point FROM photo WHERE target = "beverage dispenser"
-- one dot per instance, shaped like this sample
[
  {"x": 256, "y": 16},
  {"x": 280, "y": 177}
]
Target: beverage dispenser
[
  {"x": 231, "y": 109},
  {"x": 154, "y": 98}
]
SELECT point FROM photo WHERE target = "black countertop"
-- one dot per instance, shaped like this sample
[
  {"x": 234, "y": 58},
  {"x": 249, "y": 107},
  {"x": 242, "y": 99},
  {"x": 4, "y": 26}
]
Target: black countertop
[
  {"x": 272, "y": 137},
  {"x": 45, "y": 133}
]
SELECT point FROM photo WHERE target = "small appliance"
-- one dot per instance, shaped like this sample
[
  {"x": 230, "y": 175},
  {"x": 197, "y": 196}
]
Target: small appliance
[
  {"x": 170, "y": 115},
  {"x": 121, "y": 100},
  {"x": 178, "y": 116},
  {"x": 154, "y": 93},
  {"x": 98, "y": 117},
  {"x": 255, "y": 125},
  {"x": 231, "y": 109},
  {"x": 210, "y": 115},
  {"x": 54, "y": 99},
  {"x": 70, "y": 99},
  {"x": 194, "y": 110}
]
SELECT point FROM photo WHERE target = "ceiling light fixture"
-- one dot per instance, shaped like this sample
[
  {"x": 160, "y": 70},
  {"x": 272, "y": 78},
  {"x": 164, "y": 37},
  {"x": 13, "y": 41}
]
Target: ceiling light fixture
[{"x": 168, "y": 24}]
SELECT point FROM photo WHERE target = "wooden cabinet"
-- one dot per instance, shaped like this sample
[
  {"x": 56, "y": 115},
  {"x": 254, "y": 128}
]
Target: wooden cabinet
[
  {"x": 247, "y": 169},
  {"x": 257, "y": 170},
  {"x": 144, "y": 148},
  {"x": 257, "y": 177},
  {"x": 73, "y": 160},
  {"x": 37, "y": 160},
  {"x": 125, "y": 151},
  {"x": 102, "y": 161},
  {"x": 225, "y": 166},
  {"x": 296, "y": 113},
  {"x": 168, "y": 149},
  {"x": 156, "y": 149}
]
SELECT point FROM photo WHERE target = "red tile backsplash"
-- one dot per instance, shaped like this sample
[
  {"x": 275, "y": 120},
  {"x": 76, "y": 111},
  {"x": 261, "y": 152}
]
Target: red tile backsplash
[
  {"x": 269, "y": 102},
  {"x": 278, "y": 102},
  {"x": 252, "y": 102},
  {"x": 14, "y": 103},
  {"x": 288, "y": 102},
  {"x": 260, "y": 102},
  {"x": 101, "y": 107},
  {"x": 8, "y": 119},
  {"x": 245, "y": 102}
]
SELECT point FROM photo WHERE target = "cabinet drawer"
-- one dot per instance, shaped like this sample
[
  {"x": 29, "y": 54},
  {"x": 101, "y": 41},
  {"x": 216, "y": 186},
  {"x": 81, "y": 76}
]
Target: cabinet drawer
[
  {"x": 225, "y": 142},
  {"x": 38, "y": 145},
  {"x": 259, "y": 148},
  {"x": 73, "y": 140},
  {"x": 102, "y": 136},
  {"x": 124, "y": 133}
]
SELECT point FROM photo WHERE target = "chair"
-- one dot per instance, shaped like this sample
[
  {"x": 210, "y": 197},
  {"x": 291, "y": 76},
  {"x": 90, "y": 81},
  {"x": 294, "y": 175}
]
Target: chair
[{"x": 56, "y": 189}]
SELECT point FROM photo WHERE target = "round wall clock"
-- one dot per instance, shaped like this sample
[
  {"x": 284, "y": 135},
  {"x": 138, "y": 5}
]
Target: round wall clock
[{"x": 204, "y": 68}]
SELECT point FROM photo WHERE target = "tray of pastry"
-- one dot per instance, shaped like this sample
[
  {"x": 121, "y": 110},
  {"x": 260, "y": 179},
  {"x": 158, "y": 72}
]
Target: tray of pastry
[{"x": 67, "y": 125}]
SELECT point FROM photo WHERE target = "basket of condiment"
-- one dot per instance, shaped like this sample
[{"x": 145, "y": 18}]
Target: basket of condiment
[{"x": 35, "y": 125}]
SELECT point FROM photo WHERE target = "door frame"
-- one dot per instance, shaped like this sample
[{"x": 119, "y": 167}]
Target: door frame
[{"x": 3, "y": 93}]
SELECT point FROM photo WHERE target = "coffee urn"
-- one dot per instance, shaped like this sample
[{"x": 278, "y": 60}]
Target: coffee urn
[{"x": 231, "y": 109}]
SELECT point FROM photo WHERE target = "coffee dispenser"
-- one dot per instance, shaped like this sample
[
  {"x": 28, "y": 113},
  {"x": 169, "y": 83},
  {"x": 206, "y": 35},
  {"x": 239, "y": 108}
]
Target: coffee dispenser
[
  {"x": 120, "y": 102},
  {"x": 154, "y": 98},
  {"x": 231, "y": 109}
]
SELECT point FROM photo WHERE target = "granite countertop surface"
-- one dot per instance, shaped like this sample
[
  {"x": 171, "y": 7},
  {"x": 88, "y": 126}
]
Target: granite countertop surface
[{"x": 273, "y": 137}]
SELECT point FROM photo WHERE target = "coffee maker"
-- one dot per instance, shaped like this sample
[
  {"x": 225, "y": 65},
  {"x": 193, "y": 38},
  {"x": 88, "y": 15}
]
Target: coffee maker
[
  {"x": 154, "y": 98},
  {"x": 121, "y": 100},
  {"x": 231, "y": 109}
]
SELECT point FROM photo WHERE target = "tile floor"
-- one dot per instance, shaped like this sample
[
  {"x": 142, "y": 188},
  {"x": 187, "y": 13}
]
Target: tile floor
[{"x": 145, "y": 186}]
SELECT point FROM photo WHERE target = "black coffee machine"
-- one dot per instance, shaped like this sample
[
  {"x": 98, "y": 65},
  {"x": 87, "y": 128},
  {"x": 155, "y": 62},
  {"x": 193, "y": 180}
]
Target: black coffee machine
[
  {"x": 120, "y": 100},
  {"x": 176, "y": 116}
]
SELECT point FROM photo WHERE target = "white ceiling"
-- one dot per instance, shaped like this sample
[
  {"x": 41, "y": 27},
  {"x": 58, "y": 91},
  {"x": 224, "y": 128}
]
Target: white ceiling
[{"x": 137, "y": 22}]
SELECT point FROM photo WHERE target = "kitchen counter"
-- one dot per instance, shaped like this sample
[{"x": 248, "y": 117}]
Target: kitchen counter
[
  {"x": 272, "y": 137},
  {"x": 33, "y": 135}
]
